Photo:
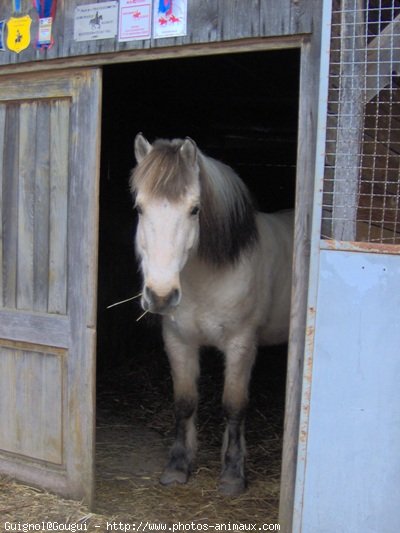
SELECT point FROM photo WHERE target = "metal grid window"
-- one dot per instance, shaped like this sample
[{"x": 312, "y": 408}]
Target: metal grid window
[{"x": 361, "y": 196}]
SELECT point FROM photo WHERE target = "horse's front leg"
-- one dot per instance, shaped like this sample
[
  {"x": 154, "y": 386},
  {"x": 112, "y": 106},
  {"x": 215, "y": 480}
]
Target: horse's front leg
[
  {"x": 184, "y": 362},
  {"x": 240, "y": 355}
]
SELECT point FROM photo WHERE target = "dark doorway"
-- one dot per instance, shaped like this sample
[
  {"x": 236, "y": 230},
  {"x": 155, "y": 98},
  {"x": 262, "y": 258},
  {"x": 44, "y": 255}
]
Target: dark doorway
[{"x": 243, "y": 110}]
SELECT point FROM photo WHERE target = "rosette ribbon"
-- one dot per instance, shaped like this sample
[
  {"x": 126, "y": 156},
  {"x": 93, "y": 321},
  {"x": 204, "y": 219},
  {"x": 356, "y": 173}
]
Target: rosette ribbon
[{"x": 46, "y": 10}]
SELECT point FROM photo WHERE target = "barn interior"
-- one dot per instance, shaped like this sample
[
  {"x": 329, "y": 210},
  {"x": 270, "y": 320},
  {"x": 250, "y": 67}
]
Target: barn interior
[{"x": 241, "y": 109}]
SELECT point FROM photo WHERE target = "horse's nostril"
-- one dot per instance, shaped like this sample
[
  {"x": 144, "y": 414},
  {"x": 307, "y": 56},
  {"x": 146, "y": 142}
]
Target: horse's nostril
[
  {"x": 159, "y": 303},
  {"x": 150, "y": 295},
  {"x": 173, "y": 297}
]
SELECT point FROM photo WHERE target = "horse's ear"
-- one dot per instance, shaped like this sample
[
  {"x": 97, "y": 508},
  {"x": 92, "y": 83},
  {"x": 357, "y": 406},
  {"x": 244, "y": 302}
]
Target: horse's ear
[
  {"x": 142, "y": 147},
  {"x": 189, "y": 150}
]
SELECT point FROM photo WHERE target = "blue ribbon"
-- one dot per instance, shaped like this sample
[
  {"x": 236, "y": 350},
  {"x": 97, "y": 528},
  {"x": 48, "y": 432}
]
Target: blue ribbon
[
  {"x": 45, "y": 8},
  {"x": 2, "y": 47},
  {"x": 17, "y": 6}
]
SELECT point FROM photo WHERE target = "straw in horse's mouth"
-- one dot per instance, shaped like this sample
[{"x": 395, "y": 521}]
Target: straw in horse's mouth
[
  {"x": 128, "y": 300},
  {"x": 142, "y": 315},
  {"x": 124, "y": 301}
]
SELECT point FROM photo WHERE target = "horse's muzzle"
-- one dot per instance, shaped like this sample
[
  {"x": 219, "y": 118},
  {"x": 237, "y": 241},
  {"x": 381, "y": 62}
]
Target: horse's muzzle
[{"x": 155, "y": 303}]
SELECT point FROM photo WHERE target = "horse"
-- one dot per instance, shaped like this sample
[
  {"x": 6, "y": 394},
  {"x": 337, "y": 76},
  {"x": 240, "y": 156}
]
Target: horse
[
  {"x": 219, "y": 274},
  {"x": 95, "y": 22}
]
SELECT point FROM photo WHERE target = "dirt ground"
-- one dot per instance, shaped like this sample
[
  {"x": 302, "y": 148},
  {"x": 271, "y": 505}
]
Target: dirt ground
[{"x": 134, "y": 431}]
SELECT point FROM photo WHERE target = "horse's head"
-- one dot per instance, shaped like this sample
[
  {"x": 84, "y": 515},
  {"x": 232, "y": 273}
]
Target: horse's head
[{"x": 166, "y": 186}]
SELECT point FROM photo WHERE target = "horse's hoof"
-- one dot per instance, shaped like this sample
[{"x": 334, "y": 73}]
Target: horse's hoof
[
  {"x": 172, "y": 476},
  {"x": 232, "y": 486}
]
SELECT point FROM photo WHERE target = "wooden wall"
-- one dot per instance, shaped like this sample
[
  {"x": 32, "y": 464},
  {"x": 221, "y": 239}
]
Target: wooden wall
[
  {"x": 209, "y": 21},
  {"x": 220, "y": 26}
]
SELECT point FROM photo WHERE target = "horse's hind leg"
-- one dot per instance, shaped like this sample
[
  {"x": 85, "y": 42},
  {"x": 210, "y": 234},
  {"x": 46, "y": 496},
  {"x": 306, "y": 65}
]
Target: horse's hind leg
[
  {"x": 184, "y": 362},
  {"x": 240, "y": 357}
]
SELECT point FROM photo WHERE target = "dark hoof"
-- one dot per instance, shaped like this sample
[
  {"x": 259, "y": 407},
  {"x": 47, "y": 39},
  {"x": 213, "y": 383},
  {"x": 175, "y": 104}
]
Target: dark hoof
[
  {"x": 172, "y": 476},
  {"x": 229, "y": 486}
]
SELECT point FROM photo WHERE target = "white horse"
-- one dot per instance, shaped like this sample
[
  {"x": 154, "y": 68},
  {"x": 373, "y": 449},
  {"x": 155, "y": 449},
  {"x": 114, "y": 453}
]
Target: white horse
[{"x": 219, "y": 273}]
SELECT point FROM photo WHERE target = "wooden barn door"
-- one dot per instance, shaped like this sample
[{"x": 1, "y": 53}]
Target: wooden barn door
[{"x": 49, "y": 156}]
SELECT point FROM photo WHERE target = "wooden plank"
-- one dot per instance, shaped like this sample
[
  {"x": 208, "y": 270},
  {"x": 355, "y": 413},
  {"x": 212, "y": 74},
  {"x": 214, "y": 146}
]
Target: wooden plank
[
  {"x": 305, "y": 183},
  {"x": 205, "y": 14},
  {"x": 3, "y": 110},
  {"x": 83, "y": 197},
  {"x": 252, "y": 44},
  {"x": 238, "y": 18},
  {"x": 31, "y": 379},
  {"x": 59, "y": 164},
  {"x": 10, "y": 205},
  {"x": 26, "y": 164},
  {"x": 387, "y": 131},
  {"x": 8, "y": 402},
  {"x": 301, "y": 17},
  {"x": 382, "y": 119},
  {"x": 275, "y": 17},
  {"x": 350, "y": 121},
  {"x": 379, "y": 189},
  {"x": 380, "y": 163},
  {"x": 208, "y": 21},
  {"x": 35, "y": 328},
  {"x": 82, "y": 273},
  {"x": 33, "y": 473},
  {"x": 11, "y": 89},
  {"x": 41, "y": 207},
  {"x": 383, "y": 58}
]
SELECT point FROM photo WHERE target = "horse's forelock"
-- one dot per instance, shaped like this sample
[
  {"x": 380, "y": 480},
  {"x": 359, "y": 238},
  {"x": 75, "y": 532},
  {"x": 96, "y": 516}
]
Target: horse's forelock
[{"x": 163, "y": 172}]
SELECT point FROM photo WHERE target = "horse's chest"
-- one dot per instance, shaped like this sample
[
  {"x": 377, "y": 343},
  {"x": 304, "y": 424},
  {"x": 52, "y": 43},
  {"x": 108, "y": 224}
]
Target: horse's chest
[
  {"x": 210, "y": 331},
  {"x": 201, "y": 327},
  {"x": 211, "y": 312}
]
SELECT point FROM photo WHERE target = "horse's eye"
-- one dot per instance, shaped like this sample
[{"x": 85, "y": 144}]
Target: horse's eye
[
  {"x": 194, "y": 211},
  {"x": 139, "y": 210}
]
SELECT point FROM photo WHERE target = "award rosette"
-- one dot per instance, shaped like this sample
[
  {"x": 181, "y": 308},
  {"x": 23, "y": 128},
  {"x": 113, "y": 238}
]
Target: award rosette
[{"x": 46, "y": 10}]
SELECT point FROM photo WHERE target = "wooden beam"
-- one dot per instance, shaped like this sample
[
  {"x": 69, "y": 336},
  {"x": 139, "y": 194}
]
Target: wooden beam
[
  {"x": 350, "y": 122},
  {"x": 383, "y": 58},
  {"x": 306, "y": 152},
  {"x": 255, "y": 44}
]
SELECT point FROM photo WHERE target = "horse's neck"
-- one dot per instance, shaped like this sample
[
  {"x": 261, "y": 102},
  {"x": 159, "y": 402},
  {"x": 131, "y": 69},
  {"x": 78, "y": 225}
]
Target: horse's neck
[
  {"x": 200, "y": 277},
  {"x": 196, "y": 271}
]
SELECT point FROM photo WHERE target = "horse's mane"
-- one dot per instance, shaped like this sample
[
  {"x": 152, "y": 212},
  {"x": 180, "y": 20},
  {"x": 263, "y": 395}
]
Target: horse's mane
[{"x": 227, "y": 215}]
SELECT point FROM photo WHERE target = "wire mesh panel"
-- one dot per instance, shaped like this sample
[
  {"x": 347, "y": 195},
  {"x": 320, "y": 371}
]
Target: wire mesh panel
[{"x": 361, "y": 200}]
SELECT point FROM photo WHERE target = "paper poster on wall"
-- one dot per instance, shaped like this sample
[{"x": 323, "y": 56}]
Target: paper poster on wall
[
  {"x": 169, "y": 18},
  {"x": 135, "y": 18},
  {"x": 96, "y": 21}
]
